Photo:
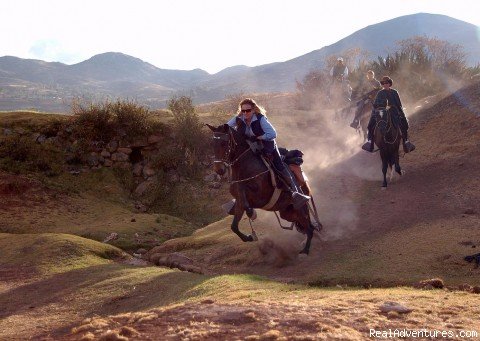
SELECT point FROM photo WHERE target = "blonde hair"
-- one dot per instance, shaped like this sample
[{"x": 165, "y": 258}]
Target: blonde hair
[{"x": 256, "y": 108}]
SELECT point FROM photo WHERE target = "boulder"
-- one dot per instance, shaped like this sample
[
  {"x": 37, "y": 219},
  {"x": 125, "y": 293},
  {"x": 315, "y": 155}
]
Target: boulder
[
  {"x": 41, "y": 139},
  {"x": 396, "y": 307},
  {"x": 434, "y": 283},
  {"x": 93, "y": 160},
  {"x": 112, "y": 146},
  {"x": 148, "y": 171},
  {"x": 139, "y": 142},
  {"x": 105, "y": 153},
  {"x": 122, "y": 165},
  {"x": 211, "y": 177},
  {"x": 108, "y": 163},
  {"x": 154, "y": 139},
  {"x": 137, "y": 169},
  {"x": 124, "y": 150},
  {"x": 143, "y": 188},
  {"x": 119, "y": 157},
  {"x": 215, "y": 185}
]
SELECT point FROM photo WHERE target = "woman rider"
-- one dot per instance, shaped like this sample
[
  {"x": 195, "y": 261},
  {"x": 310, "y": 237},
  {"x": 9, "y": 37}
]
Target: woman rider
[{"x": 251, "y": 121}]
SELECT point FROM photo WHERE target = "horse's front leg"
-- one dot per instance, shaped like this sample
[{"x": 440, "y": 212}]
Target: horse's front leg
[
  {"x": 384, "y": 171},
  {"x": 239, "y": 210}
]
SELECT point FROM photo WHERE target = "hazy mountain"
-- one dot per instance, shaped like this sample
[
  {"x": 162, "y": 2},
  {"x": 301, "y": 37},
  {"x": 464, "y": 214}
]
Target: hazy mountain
[{"x": 49, "y": 86}]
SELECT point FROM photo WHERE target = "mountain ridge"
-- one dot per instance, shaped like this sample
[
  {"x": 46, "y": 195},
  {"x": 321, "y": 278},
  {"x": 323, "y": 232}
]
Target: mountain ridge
[{"x": 114, "y": 74}]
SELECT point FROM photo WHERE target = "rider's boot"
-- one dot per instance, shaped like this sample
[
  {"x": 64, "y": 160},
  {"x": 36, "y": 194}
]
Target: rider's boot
[
  {"x": 298, "y": 198},
  {"x": 407, "y": 145},
  {"x": 354, "y": 123},
  {"x": 368, "y": 146}
]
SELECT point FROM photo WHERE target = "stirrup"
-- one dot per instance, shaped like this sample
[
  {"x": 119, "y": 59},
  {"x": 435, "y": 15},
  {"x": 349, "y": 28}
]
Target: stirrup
[
  {"x": 408, "y": 147},
  {"x": 368, "y": 146},
  {"x": 299, "y": 200}
]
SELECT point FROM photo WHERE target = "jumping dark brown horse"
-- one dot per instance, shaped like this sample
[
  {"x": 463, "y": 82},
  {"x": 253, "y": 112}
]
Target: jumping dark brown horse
[
  {"x": 387, "y": 137},
  {"x": 251, "y": 184}
]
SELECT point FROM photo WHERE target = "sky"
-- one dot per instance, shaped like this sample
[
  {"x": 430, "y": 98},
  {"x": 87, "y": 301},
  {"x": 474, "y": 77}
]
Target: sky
[{"x": 189, "y": 34}]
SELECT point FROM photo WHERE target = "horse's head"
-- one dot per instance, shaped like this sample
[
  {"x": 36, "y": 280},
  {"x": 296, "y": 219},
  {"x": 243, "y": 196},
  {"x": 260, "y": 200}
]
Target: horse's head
[
  {"x": 225, "y": 142},
  {"x": 382, "y": 117}
]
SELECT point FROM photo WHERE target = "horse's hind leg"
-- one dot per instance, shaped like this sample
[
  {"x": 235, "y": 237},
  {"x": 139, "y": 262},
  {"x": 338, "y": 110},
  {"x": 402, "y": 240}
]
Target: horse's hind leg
[
  {"x": 398, "y": 169},
  {"x": 306, "y": 249}
]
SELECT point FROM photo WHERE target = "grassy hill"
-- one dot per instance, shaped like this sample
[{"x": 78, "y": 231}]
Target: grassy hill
[
  {"x": 57, "y": 281},
  {"x": 416, "y": 229}
]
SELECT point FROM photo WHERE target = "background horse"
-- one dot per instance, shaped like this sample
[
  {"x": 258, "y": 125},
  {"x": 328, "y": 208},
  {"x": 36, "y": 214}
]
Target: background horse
[
  {"x": 251, "y": 184},
  {"x": 387, "y": 138},
  {"x": 339, "y": 97}
]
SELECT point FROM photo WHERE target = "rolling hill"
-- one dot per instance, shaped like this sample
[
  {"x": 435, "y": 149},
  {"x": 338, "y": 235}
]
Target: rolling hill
[{"x": 27, "y": 83}]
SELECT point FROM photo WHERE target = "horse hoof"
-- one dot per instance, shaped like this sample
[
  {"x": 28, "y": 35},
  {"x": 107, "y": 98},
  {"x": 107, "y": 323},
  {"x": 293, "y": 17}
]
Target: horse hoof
[
  {"x": 402, "y": 172},
  {"x": 303, "y": 252}
]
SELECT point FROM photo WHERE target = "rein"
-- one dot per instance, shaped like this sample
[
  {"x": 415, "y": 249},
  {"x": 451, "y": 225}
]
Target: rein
[
  {"x": 389, "y": 125},
  {"x": 225, "y": 159}
]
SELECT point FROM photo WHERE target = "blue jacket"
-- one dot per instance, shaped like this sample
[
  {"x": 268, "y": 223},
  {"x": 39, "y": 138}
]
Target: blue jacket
[{"x": 259, "y": 127}]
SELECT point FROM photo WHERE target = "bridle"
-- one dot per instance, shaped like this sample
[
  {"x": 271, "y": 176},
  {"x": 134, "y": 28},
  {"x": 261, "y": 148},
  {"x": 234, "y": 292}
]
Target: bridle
[
  {"x": 228, "y": 154},
  {"x": 387, "y": 120}
]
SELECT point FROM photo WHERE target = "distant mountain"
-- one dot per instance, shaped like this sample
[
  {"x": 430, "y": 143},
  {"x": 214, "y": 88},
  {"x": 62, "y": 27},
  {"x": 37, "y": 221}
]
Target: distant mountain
[
  {"x": 378, "y": 39},
  {"x": 28, "y": 83}
]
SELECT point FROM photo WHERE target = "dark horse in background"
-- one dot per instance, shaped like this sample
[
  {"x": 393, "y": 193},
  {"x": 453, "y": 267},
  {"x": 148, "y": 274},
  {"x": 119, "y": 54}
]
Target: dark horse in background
[
  {"x": 251, "y": 184},
  {"x": 387, "y": 137}
]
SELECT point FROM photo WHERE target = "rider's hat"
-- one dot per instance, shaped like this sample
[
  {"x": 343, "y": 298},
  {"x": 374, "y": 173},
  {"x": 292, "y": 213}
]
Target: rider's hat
[{"x": 386, "y": 79}]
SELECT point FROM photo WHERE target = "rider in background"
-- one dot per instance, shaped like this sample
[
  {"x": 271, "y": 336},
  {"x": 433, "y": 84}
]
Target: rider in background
[
  {"x": 251, "y": 120},
  {"x": 367, "y": 92},
  {"x": 388, "y": 97},
  {"x": 339, "y": 76},
  {"x": 339, "y": 72}
]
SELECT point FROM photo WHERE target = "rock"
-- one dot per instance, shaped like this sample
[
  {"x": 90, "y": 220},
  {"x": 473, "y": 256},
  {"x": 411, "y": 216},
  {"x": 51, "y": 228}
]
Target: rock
[
  {"x": 173, "y": 176},
  {"x": 476, "y": 289},
  {"x": 139, "y": 142},
  {"x": 105, "y": 153},
  {"x": 122, "y": 165},
  {"x": 211, "y": 177},
  {"x": 92, "y": 160},
  {"x": 178, "y": 257},
  {"x": 123, "y": 150},
  {"x": 111, "y": 236},
  {"x": 465, "y": 287},
  {"x": 469, "y": 211},
  {"x": 108, "y": 163},
  {"x": 148, "y": 171},
  {"x": 20, "y": 131},
  {"x": 137, "y": 169},
  {"x": 143, "y": 188},
  {"x": 387, "y": 307},
  {"x": 141, "y": 207},
  {"x": 155, "y": 258},
  {"x": 215, "y": 185},
  {"x": 141, "y": 251},
  {"x": 41, "y": 139},
  {"x": 154, "y": 139},
  {"x": 436, "y": 283},
  {"x": 112, "y": 146},
  {"x": 119, "y": 157}
]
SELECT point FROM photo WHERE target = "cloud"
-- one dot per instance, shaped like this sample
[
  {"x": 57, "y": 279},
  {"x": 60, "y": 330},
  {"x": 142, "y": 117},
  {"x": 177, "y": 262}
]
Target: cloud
[{"x": 52, "y": 51}]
